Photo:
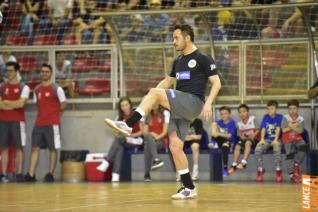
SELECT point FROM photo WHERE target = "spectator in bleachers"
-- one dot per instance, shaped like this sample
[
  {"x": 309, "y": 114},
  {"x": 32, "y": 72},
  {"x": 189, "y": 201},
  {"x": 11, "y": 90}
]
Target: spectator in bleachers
[
  {"x": 136, "y": 32},
  {"x": 224, "y": 133},
  {"x": 155, "y": 136},
  {"x": 201, "y": 28},
  {"x": 63, "y": 73},
  {"x": 248, "y": 129},
  {"x": 284, "y": 22},
  {"x": 193, "y": 140},
  {"x": 293, "y": 127},
  {"x": 13, "y": 97},
  {"x": 270, "y": 133},
  {"x": 87, "y": 25},
  {"x": 4, "y": 58},
  {"x": 59, "y": 18},
  {"x": 32, "y": 10},
  {"x": 4, "y": 5},
  {"x": 244, "y": 26},
  {"x": 156, "y": 25},
  {"x": 51, "y": 101},
  {"x": 116, "y": 151}
]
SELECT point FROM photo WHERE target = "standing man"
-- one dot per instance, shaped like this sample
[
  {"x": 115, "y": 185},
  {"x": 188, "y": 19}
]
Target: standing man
[
  {"x": 13, "y": 97},
  {"x": 192, "y": 69},
  {"x": 50, "y": 100}
]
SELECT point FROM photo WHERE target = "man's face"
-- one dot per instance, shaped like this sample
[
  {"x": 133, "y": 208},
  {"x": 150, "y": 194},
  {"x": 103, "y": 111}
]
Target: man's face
[
  {"x": 45, "y": 74},
  {"x": 12, "y": 73},
  {"x": 179, "y": 40}
]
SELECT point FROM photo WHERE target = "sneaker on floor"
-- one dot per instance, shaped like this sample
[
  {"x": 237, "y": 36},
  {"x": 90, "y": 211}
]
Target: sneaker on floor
[
  {"x": 103, "y": 166},
  {"x": 225, "y": 172},
  {"x": 295, "y": 179},
  {"x": 296, "y": 171},
  {"x": 241, "y": 166},
  {"x": 195, "y": 177},
  {"x": 213, "y": 145},
  {"x": 49, "y": 178},
  {"x": 147, "y": 178},
  {"x": 184, "y": 193},
  {"x": 120, "y": 126},
  {"x": 4, "y": 179},
  {"x": 157, "y": 164},
  {"x": 29, "y": 178},
  {"x": 279, "y": 176},
  {"x": 19, "y": 178},
  {"x": 260, "y": 176}
]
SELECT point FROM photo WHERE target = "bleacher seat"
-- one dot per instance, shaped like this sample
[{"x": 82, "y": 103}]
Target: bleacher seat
[
  {"x": 44, "y": 40},
  {"x": 95, "y": 87},
  {"x": 16, "y": 40},
  {"x": 27, "y": 63},
  {"x": 84, "y": 64},
  {"x": 106, "y": 65}
]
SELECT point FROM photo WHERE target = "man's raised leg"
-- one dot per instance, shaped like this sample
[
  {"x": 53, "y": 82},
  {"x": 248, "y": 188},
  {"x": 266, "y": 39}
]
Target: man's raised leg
[{"x": 154, "y": 97}]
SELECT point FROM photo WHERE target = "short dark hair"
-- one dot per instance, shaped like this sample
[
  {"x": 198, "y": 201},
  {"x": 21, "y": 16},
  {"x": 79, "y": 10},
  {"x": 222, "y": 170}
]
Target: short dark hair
[
  {"x": 293, "y": 102},
  {"x": 45, "y": 65},
  {"x": 185, "y": 30},
  {"x": 225, "y": 108},
  {"x": 243, "y": 106},
  {"x": 272, "y": 103},
  {"x": 14, "y": 64}
]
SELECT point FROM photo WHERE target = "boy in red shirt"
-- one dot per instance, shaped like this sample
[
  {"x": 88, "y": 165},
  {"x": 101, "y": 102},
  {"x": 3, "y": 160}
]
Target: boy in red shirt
[{"x": 295, "y": 146}]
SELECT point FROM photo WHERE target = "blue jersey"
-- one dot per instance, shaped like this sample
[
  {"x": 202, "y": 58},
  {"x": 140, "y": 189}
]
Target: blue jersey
[
  {"x": 229, "y": 127},
  {"x": 270, "y": 124}
]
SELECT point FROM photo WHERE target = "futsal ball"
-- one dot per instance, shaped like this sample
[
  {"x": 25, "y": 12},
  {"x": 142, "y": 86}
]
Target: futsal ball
[{"x": 1, "y": 17}]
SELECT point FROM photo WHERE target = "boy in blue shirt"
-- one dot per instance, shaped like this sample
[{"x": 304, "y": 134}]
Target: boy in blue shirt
[
  {"x": 224, "y": 132},
  {"x": 270, "y": 131}
]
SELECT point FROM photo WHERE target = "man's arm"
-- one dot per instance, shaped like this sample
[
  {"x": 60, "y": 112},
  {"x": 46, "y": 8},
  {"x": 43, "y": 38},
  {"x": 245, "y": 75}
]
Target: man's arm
[
  {"x": 166, "y": 83},
  {"x": 16, "y": 103},
  {"x": 216, "y": 86}
]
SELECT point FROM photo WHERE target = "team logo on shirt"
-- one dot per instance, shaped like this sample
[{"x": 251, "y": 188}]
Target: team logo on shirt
[
  {"x": 192, "y": 63},
  {"x": 183, "y": 75},
  {"x": 47, "y": 94},
  {"x": 212, "y": 67},
  {"x": 16, "y": 90},
  {"x": 6, "y": 92}
]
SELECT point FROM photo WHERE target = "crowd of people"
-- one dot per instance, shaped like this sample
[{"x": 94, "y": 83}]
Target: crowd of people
[
  {"x": 77, "y": 18},
  {"x": 228, "y": 136}
]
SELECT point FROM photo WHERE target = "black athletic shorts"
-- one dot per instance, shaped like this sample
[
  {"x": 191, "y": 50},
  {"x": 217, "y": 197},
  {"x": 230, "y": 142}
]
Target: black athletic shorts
[
  {"x": 12, "y": 133},
  {"x": 46, "y": 137}
]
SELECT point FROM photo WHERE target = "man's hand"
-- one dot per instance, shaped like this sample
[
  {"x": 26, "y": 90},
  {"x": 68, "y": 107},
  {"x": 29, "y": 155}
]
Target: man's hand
[
  {"x": 207, "y": 111},
  {"x": 262, "y": 142}
]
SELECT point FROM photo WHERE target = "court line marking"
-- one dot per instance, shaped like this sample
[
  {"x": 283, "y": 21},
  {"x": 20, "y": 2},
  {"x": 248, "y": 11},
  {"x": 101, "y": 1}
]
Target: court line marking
[{"x": 98, "y": 204}]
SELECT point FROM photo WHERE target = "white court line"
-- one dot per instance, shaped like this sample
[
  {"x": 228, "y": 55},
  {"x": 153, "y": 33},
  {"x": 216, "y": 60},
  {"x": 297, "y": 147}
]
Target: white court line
[{"x": 98, "y": 204}]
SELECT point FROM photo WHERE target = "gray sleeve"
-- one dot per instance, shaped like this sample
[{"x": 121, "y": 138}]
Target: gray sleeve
[
  {"x": 302, "y": 126},
  {"x": 284, "y": 123}
]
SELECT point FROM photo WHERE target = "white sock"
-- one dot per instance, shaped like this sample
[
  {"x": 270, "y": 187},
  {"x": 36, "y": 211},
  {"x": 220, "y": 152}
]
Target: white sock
[
  {"x": 183, "y": 171},
  {"x": 140, "y": 111},
  {"x": 234, "y": 164},
  {"x": 244, "y": 162},
  {"x": 195, "y": 168},
  {"x": 115, "y": 177}
]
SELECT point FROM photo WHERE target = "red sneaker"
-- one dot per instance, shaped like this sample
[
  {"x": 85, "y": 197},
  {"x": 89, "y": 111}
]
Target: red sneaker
[
  {"x": 279, "y": 176},
  {"x": 296, "y": 171},
  {"x": 295, "y": 179},
  {"x": 260, "y": 176}
]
